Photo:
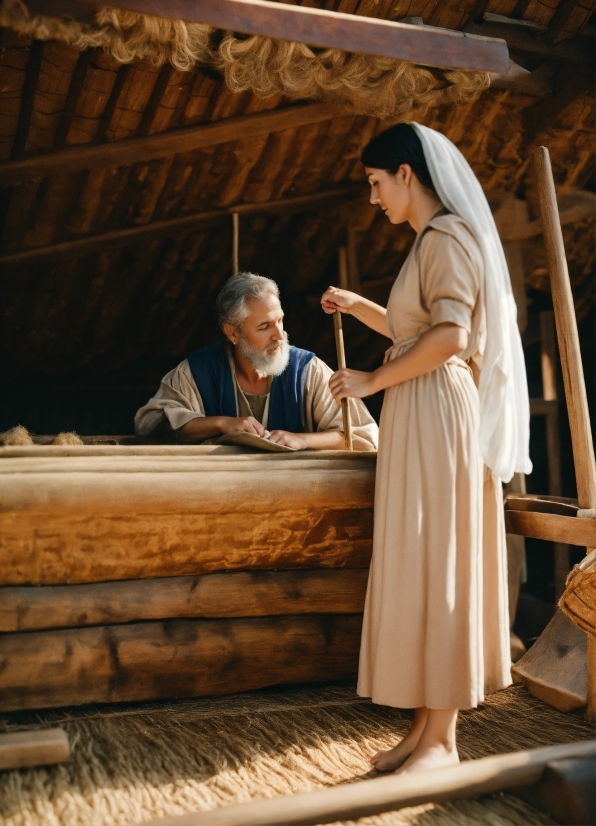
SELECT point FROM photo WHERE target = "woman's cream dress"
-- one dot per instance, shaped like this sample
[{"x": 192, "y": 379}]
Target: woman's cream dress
[{"x": 436, "y": 628}]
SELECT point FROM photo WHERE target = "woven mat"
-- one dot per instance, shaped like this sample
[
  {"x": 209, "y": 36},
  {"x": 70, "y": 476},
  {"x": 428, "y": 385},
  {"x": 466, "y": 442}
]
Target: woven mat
[{"x": 131, "y": 764}]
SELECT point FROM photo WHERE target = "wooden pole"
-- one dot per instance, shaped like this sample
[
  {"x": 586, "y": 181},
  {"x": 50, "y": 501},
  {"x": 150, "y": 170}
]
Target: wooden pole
[
  {"x": 235, "y": 242},
  {"x": 369, "y": 797},
  {"x": 571, "y": 364},
  {"x": 341, "y": 363}
]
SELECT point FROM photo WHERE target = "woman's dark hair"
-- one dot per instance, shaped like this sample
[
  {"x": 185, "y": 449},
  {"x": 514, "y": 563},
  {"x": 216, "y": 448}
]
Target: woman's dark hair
[{"x": 396, "y": 145}]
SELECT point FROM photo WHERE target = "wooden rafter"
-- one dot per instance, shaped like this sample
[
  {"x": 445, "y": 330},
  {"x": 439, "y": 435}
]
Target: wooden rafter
[
  {"x": 424, "y": 45},
  {"x": 176, "y": 226},
  {"x": 144, "y": 148},
  {"x": 523, "y": 39}
]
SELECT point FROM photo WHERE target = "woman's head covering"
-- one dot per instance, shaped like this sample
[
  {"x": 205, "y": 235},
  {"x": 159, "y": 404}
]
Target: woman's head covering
[
  {"x": 503, "y": 389},
  {"x": 396, "y": 145}
]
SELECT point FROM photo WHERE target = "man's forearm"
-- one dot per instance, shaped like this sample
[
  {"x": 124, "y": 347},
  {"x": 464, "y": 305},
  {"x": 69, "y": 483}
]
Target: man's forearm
[
  {"x": 199, "y": 429},
  {"x": 326, "y": 440}
]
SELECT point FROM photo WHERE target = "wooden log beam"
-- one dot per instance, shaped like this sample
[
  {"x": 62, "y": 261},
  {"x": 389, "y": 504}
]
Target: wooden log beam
[
  {"x": 425, "y": 45},
  {"x": 145, "y": 148},
  {"x": 177, "y": 226},
  {"x": 386, "y": 794},
  {"x": 23, "y": 749},
  {"x": 522, "y": 38},
  {"x": 214, "y": 596},
  {"x": 177, "y": 658},
  {"x": 112, "y": 518}
]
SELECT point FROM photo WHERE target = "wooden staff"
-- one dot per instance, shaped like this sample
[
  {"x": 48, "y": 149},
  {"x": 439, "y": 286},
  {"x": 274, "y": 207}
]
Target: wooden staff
[
  {"x": 235, "y": 242},
  {"x": 341, "y": 363},
  {"x": 571, "y": 365}
]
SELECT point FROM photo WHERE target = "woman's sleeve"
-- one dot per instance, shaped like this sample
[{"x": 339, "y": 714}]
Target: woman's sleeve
[{"x": 449, "y": 279}]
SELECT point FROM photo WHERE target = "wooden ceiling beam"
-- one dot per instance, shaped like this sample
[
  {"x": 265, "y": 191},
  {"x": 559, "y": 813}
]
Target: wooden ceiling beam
[
  {"x": 424, "y": 45},
  {"x": 523, "y": 38},
  {"x": 176, "y": 226},
  {"x": 145, "y": 148}
]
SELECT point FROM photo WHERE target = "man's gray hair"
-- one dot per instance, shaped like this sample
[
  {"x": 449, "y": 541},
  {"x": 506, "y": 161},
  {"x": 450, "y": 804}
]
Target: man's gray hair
[{"x": 231, "y": 301}]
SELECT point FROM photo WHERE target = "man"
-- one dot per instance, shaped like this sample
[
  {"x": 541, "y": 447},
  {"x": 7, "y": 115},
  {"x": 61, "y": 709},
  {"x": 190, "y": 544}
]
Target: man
[{"x": 254, "y": 382}]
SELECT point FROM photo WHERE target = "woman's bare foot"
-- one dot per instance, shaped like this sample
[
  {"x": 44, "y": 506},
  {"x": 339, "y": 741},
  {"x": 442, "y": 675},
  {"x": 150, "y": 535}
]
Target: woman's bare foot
[
  {"x": 436, "y": 746},
  {"x": 391, "y": 759},
  {"x": 425, "y": 757}
]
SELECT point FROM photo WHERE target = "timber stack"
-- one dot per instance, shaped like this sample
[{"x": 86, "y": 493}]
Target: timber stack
[{"x": 138, "y": 573}]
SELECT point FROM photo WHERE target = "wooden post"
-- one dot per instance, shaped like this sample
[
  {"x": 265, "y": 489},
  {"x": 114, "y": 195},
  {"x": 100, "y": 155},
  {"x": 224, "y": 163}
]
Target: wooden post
[
  {"x": 341, "y": 363},
  {"x": 571, "y": 363},
  {"x": 235, "y": 242}
]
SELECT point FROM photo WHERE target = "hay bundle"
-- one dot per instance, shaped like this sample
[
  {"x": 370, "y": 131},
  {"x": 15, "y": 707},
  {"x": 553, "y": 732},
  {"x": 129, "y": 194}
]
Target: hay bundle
[
  {"x": 372, "y": 85},
  {"x": 579, "y": 599},
  {"x": 70, "y": 438},
  {"x": 16, "y": 437}
]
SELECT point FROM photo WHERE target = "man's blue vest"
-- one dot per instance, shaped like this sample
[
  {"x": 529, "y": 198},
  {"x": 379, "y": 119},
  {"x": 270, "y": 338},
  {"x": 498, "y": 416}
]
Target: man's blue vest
[{"x": 213, "y": 377}]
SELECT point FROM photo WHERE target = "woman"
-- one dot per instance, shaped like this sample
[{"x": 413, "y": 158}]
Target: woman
[{"x": 455, "y": 422}]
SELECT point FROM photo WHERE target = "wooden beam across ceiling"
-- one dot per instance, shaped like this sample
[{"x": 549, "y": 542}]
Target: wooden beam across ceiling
[
  {"x": 171, "y": 227},
  {"x": 424, "y": 45},
  {"x": 524, "y": 38},
  {"x": 147, "y": 147}
]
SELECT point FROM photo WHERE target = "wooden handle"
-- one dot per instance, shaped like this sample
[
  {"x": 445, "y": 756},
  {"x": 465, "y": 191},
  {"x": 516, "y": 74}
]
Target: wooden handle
[
  {"x": 571, "y": 364},
  {"x": 341, "y": 363}
]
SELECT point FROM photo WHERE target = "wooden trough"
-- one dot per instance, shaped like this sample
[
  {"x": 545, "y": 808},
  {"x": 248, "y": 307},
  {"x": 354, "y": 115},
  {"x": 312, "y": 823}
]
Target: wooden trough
[{"x": 137, "y": 573}]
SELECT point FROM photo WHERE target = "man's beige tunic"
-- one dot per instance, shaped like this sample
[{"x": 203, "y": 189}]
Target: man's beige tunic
[{"x": 178, "y": 401}]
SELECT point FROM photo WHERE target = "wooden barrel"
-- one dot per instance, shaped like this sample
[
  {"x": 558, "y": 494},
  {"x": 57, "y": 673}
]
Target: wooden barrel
[{"x": 146, "y": 572}]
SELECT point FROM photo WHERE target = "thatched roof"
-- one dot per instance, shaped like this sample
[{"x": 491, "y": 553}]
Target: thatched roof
[{"x": 118, "y": 189}]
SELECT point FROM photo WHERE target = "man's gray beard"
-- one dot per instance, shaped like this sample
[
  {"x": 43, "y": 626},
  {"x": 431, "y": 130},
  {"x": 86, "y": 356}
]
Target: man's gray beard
[{"x": 265, "y": 363}]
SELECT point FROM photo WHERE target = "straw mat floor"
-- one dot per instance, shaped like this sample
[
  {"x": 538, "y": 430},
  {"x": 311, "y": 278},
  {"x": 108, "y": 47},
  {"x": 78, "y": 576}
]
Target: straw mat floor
[{"x": 131, "y": 764}]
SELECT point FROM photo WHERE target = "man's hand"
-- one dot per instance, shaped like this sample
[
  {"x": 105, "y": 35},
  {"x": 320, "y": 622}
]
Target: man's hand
[
  {"x": 243, "y": 424},
  {"x": 351, "y": 384},
  {"x": 283, "y": 437}
]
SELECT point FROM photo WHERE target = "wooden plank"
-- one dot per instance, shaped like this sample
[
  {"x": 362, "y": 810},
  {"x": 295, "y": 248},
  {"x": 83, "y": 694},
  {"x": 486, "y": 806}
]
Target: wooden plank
[
  {"x": 348, "y": 802},
  {"x": 424, "y": 45},
  {"x": 27, "y": 98},
  {"x": 23, "y": 749},
  {"x": 214, "y": 596},
  {"x": 75, "y": 520},
  {"x": 178, "y": 658},
  {"x": 133, "y": 150},
  {"x": 552, "y": 527},
  {"x": 176, "y": 226},
  {"x": 74, "y": 90}
]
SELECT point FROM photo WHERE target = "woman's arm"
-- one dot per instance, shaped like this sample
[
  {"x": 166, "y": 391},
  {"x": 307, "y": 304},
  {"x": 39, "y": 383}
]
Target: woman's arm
[
  {"x": 432, "y": 349},
  {"x": 369, "y": 313}
]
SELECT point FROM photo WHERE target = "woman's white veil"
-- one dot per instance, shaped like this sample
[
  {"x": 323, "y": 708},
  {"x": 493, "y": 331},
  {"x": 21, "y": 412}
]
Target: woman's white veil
[{"x": 503, "y": 390}]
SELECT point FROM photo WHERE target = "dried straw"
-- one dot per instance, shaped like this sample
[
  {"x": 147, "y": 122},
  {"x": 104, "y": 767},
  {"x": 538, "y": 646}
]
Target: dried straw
[
  {"x": 136, "y": 763},
  {"x": 371, "y": 85},
  {"x": 70, "y": 438},
  {"x": 18, "y": 435}
]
